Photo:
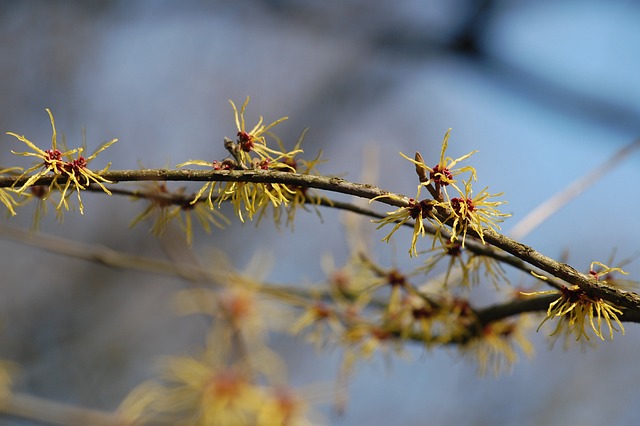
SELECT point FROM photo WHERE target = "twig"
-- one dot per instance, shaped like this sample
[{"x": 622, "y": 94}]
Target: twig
[
  {"x": 553, "y": 204},
  {"x": 54, "y": 413}
]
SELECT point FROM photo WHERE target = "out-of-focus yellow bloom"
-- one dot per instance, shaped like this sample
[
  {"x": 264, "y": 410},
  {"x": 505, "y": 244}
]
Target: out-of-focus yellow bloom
[
  {"x": 320, "y": 324},
  {"x": 416, "y": 317},
  {"x": 362, "y": 340},
  {"x": 237, "y": 301},
  {"x": 237, "y": 379},
  {"x": 202, "y": 391},
  {"x": 139, "y": 406},
  {"x": 495, "y": 349},
  {"x": 207, "y": 391},
  {"x": 42, "y": 198},
  {"x": 6, "y": 195},
  {"x": 284, "y": 407},
  {"x": 464, "y": 267},
  {"x": 456, "y": 264},
  {"x": 164, "y": 207},
  {"x": 7, "y": 373},
  {"x": 204, "y": 216}
]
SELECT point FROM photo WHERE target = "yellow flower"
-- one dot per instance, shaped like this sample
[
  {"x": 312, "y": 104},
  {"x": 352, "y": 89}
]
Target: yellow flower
[
  {"x": 238, "y": 301},
  {"x": 296, "y": 196},
  {"x": 160, "y": 201},
  {"x": 606, "y": 274},
  {"x": 575, "y": 309},
  {"x": 6, "y": 195},
  {"x": 212, "y": 187},
  {"x": 476, "y": 213},
  {"x": 81, "y": 176},
  {"x": 418, "y": 211},
  {"x": 454, "y": 252},
  {"x": 62, "y": 164},
  {"x": 442, "y": 174},
  {"x": 250, "y": 151},
  {"x": 42, "y": 198},
  {"x": 284, "y": 406},
  {"x": 253, "y": 140},
  {"x": 166, "y": 206},
  {"x": 242, "y": 195},
  {"x": 603, "y": 271},
  {"x": 51, "y": 160},
  {"x": 203, "y": 391}
]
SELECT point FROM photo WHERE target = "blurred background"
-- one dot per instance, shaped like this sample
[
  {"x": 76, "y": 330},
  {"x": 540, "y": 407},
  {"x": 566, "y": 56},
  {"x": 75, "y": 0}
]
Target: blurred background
[{"x": 545, "y": 90}]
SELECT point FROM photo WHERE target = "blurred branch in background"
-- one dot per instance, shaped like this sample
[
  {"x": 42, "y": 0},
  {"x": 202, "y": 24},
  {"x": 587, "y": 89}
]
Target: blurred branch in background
[{"x": 564, "y": 197}]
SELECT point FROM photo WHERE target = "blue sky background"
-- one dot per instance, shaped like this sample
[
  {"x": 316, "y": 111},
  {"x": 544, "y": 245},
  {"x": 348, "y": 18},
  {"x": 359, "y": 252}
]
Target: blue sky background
[{"x": 545, "y": 90}]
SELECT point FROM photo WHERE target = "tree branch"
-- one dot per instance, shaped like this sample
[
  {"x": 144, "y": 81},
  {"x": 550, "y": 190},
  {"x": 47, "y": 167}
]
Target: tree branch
[{"x": 527, "y": 254}]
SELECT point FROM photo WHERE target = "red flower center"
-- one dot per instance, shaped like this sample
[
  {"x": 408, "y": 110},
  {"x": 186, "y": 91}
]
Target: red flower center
[
  {"x": 457, "y": 203},
  {"x": 437, "y": 174},
  {"x": 246, "y": 141}
]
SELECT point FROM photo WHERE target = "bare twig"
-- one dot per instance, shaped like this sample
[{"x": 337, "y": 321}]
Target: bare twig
[
  {"x": 553, "y": 204},
  {"x": 54, "y": 413}
]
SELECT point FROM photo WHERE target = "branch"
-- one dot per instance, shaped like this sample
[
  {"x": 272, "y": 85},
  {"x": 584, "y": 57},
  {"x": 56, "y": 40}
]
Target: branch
[
  {"x": 527, "y": 254},
  {"x": 333, "y": 184},
  {"x": 54, "y": 413},
  {"x": 563, "y": 271},
  {"x": 113, "y": 258}
]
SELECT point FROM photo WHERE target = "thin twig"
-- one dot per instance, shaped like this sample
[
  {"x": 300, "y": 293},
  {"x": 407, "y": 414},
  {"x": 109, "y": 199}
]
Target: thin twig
[
  {"x": 50, "y": 412},
  {"x": 553, "y": 204}
]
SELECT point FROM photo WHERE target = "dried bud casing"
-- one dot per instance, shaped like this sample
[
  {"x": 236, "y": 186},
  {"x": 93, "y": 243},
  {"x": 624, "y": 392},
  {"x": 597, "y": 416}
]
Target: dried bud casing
[{"x": 421, "y": 170}]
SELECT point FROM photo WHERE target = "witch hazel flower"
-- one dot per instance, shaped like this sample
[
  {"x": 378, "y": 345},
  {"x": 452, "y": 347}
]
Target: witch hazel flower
[
  {"x": 69, "y": 173},
  {"x": 418, "y": 211},
  {"x": 443, "y": 174},
  {"x": 476, "y": 213},
  {"x": 577, "y": 309},
  {"x": 460, "y": 213}
]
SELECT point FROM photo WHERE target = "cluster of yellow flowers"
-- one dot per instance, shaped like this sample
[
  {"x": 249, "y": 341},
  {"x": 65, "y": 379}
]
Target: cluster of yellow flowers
[
  {"x": 236, "y": 379},
  {"x": 68, "y": 173},
  {"x": 461, "y": 213},
  {"x": 250, "y": 152},
  {"x": 367, "y": 309}
]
